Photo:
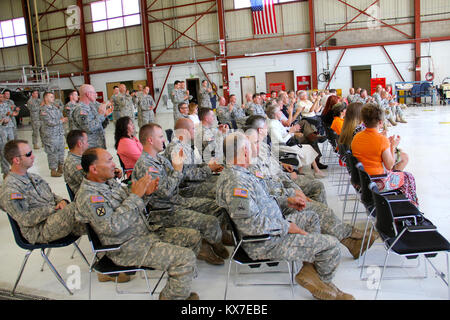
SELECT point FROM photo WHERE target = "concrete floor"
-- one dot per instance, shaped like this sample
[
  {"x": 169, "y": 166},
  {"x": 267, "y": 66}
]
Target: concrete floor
[{"x": 424, "y": 138}]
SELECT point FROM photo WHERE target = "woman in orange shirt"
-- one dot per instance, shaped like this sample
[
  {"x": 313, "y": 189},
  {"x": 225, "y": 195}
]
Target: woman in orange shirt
[
  {"x": 339, "y": 111},
  {"x": 379, "y": 154}
]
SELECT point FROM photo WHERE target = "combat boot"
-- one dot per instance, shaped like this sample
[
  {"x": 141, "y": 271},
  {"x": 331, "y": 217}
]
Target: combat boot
[
  {"x": 354, "y": 245},
  {"x": 310, "y": 280},
  {"x": 220, "y": 250},
  {"x": 60, "y": 169},
  {"x": 227, "y": 238},
  {"x": 339, "y": 294},
  {"x": 192, "y": 296},
  {"x": 121, "y": 278},
  {"x": 392, "y": 122},
  {"x": 401, "y": 120},
  {"x": 54, "y": 173},
  {"x": 207, "y": 254}
]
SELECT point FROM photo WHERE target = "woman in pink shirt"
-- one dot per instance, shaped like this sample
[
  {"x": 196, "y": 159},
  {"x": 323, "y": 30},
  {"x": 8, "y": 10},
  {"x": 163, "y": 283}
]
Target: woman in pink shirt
[{"x": 128, "y": 147}]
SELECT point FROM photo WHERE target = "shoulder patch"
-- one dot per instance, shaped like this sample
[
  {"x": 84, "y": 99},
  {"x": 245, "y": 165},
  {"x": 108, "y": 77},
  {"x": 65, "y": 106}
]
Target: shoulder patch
[
  {"x": 16, "y": 196},
  {"x": 100, "y": 211},
  {"x": 43, "y": 113},
  {"x": 83, "y": 113},
  {"x": 238, "y": 192},
  {"x": 152, "y": 169},
  {"x": 79, "y": 167},
  {"x": 97, "y": 199},
  {"x": 259, "y": 174}
]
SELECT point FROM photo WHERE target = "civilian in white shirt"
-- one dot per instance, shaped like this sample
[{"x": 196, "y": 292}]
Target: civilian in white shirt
[
  {"x": 310, "y": 110},
  {"x": 287, "y": 139},
  {"x": 193, "y": 110}
]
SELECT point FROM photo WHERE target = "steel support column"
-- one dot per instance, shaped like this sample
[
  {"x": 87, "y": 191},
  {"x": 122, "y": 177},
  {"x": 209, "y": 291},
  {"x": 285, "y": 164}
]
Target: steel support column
[
  {"x": 30, "y": 40},
  {"x": 312, "y": 37},
  {"x": 147, "y": 47},
  {"x": 223, "y": 44},
  {"x": 417, "y": 43},
  {"x": 84, "y": 51}
]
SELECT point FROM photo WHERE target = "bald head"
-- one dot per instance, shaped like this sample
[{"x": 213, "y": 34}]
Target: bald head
[{"x": 87, "y": 93}]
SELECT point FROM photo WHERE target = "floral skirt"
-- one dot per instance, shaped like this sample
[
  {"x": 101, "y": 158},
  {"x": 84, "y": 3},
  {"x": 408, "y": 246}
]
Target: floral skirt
[{"x": 401, "y": 180}]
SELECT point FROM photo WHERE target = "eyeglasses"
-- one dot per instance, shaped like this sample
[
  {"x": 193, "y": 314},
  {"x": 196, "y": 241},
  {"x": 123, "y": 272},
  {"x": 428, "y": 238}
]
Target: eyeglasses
[{"x": 28, "y": 154}]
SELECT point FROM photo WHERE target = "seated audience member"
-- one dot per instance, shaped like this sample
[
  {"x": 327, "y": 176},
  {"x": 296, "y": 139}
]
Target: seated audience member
[
  {"x": 77, "y": 141},
  {"x": 223, "y": 111},
  {"x": 313, "y": 188},
  {"x": 254, "y": 212},
  {"x": 237, "y": 112},
  {"x": 128, "y": 147},
  {"x": 198, "y": 179},
  {"x": 183, "y": 111},
  {"x": 256, "y": 107},
  {"x": 364, "y": 97},
  {"x": 209, "y": 136},
  {"x": 352, "y": 96},
  {"x": 287, "y": 108},
  {"x": 116, "y": 215},
  {"x": 201, "y": 214},
  {"x": 327, "y": 114},
  {"x": 352, "y": 124},
  {"x": 310, "y": 110},
  {"x": 42, "y": 215},
  {"x": 193, "y": 113},
  {"x": 380, "y": 155},
  {"x": 288, "y": 139},
  {"x": 339, "y": 111}
]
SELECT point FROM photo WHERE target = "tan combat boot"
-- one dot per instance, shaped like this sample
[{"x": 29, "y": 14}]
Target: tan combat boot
[
  {"x": 354, "y": 245},
  {"x": 401, "y": 120},
  {"x": 207, "y": 254},
  {"x": 392, "y": 122},
  {"x": 60, "y": 169},
  {"x": 54, "y": 173},
  {"x": 339, "y": 294},
  {"x": 192, "y": 296},
  {"x": 121, "y": 278},
  {"x": 310, "y": 280},
  {"x": 220, "y": 250}
]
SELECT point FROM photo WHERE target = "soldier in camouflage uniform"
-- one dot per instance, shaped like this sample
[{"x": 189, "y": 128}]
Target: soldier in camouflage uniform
[
  {"x": 237, "y": 112},
  {"x": 205, "y": 95},
  {"x": 256, "y": 108},
  {"x": 115, "y": 103},
  {"x": 11, "y": 111},
  {"x": 281, "y": 187},
  {"x": 117, "y": 216},
  {"x": 198, "y": 179},
  {"x": 178, "y": 96},
  {"x": 125, "y": 102},
  {"x": 89, "y": 117},
  {"x": 77, "y": 140},
  {"x": 145, "y": 108},
  {"x": 223, "y": 112},
  {"x": 183, "y": 112},
  {"x": 53, "y": 134},
  {"x": 68, "y": 109},
  {"x": 198, "y": 213},
  {"x": 255, "y": 212},
  {"x": 4, "y": 119},
  {"x": 208, "y": 139},
  {"x": 34, "y": 106},
  {"x": 42, "y": 215}
]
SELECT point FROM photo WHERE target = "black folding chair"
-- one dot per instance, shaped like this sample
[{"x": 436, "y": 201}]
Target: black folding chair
[
  {"x": 70, "y": 192},
  {"x": 106, "y": 266},
  {"x": 240, "y": 257},
  {"x": 408, "y": 239},
  {"x": 125, "y": 171},
  {"x": 24, "y": 244}
]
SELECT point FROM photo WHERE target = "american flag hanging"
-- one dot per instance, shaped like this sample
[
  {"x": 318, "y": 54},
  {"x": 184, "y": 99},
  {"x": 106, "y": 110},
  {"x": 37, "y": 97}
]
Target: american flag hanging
[{"x": 263, "y": 13}]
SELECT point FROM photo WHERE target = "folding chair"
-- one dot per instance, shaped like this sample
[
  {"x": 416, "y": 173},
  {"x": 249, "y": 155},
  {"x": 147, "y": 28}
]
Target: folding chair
[
  {"x": 408, "y": 239},
  {"x": 106, "y": 266},
  {"x": 24, "y": 244},
  {"x": 125, "y": 171},
  {"x": 70, "y": 192},
  {"x": 240, "y": 257}
]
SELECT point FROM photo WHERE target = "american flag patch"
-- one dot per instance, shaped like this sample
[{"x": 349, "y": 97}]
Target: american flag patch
[
  {"x": 96, "y": 199},
  {"x": 151, "y": 169},
  {"x": 83, "y": 113},
  {"x": 16, "y": 196},
  {"x": 79, "y": 167},
  {"x": 237, "y": 192}
]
